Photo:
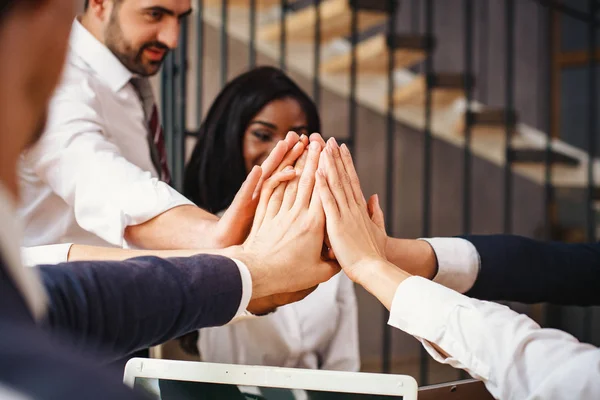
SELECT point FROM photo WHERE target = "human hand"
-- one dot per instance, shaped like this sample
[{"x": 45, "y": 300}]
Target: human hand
[
  {"x": 266, "y": 305},
  {"x": 283, "y": 250},
  {"x": 233, "y": 227},
  {"x": 355, "y": 238}
]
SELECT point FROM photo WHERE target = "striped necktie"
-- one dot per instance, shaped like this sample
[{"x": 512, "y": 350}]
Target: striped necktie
[{"x": 156, "y": 138}]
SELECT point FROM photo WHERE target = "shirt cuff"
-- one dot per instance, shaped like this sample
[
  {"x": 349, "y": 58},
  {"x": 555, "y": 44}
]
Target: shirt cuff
[
  {"x": 435, "y": 314},
  {"x": 50, "y": 254},
  {"x": 458, "y": 263},
  {"x": 242, "y": 312}
]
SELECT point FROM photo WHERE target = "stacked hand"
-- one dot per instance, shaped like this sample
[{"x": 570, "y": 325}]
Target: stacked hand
[{"x": 310, "y": 192}]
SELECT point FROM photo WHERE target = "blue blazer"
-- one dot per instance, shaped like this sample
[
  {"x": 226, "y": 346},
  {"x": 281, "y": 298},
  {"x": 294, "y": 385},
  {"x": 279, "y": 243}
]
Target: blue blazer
[
  {"x": 102, "y": 311},
  {"x": 515, "y": 268}
]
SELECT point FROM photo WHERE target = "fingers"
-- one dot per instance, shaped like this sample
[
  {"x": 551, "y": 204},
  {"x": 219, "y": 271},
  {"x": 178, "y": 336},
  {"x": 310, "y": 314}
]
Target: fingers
[
  {"x": 243, "y": 207},
  {"x": 316, "y": 137},
  {"x": 275, "y": 201},
  {"x": 341, "y": 170},
  {"x": 272, "y": 163},
  {"x": 269, "y": 187},
  {"x": 336, "y": 186},
  {"x": 291, "y": 139},
  {"x": 306, "y": 183},
  {"x": 375, "y": 212},
  {"x": 326, "y": 198},
  {"x": 292, "y": 156},
  {"x": 304, "y": 139},
  {"x": 346, "y": 158},
  {"x": 291, "y": 189}
]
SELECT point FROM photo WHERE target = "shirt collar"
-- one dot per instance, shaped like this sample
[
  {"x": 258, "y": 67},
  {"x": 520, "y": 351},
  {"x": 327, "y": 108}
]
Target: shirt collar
[
  {"x": 98, "y": 57},
  {"x": 26, "y": 280}
]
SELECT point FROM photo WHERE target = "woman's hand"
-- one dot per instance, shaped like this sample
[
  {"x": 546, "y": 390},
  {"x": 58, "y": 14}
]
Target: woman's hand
[{"x": 356, "y": 239}]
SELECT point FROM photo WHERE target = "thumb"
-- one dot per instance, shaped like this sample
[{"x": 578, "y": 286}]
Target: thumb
[{"x": 375, "y": 212}]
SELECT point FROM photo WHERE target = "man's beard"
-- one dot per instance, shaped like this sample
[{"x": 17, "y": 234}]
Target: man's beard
[{"x": 127, "y": 55}]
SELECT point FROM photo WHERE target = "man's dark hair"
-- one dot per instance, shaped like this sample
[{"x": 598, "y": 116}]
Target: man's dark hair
[
  {"x": 86, "y": 4},
  {"x": 216, "y": 169}
]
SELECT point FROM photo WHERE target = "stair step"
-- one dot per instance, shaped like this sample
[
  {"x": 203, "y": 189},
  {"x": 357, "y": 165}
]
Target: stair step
[
  {"x": 489, "y": 120},
  {"x": 446, "y": 89},
  {"x": 538, "y": 156},
  {"x": 336, "y": 17},
  {"x": 372, "y": 55}
]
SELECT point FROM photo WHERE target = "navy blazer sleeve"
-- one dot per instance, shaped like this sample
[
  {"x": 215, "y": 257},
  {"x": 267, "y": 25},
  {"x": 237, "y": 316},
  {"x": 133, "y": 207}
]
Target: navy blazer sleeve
[
  {"x": 515, "y": 268},
  {"x": 112, "y": 309}
]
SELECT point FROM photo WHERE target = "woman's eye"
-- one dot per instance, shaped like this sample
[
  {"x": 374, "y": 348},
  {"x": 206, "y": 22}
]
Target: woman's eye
[{"x": 262, "y": 136}]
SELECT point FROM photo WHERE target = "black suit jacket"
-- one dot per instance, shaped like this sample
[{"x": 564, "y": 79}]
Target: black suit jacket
[
  {"x": 106, "y": 310},
  {"x": 515, "y": 268}
]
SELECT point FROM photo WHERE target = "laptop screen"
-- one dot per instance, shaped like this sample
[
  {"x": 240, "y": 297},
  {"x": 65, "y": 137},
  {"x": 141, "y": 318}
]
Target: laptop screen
[{"x": 162, "y": 389}]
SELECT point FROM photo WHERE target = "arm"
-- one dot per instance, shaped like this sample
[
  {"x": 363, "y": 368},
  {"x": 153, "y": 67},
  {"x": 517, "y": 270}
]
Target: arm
[
  {"x": 120, "y": 307},
  {"x": 118, "y": 201},
  {"x": 520, "y": 269},
  {"x": 504, "y": 267},
  {"x": 342, "y": 353},
  {"x": 512, "y": 355}
]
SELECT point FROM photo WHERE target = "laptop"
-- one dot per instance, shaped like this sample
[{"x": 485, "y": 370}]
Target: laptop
[{"x": 185, "y": 380}]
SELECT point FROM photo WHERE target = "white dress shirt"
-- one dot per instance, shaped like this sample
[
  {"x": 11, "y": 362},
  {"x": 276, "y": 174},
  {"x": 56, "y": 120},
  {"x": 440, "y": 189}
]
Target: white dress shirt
[
  {"x": 510, "y": 353},
  {"x": 319, "y": 332},
  {"x": 91, "y": 174}
]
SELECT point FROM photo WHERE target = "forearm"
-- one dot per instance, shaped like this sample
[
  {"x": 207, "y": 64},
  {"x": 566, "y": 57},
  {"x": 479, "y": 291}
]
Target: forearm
[
  {"x": 183, "y": 227},
  {"x": 413, "y": 256},
  {"x": 515, "y": 268},
  {"x": 116, "y": 308},
  {"x": 79, "y": 252}
]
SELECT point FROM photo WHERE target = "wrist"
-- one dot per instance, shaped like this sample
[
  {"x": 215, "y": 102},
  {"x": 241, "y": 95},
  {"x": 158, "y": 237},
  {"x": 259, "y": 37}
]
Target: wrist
[
  {"x": 382, "y": 279},
  {"x": 257, "y": 273}
]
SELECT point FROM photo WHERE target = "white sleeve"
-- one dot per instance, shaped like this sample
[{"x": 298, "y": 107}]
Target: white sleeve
[
  {"x": 50, "y": 254},
  {"x": 510, "y": 353},
  {"x": 458, "y": 263},
  {"x": 82, "y": 165},
  {"x": 242, "y": 312},
  {"x": 343, "y": 353}
]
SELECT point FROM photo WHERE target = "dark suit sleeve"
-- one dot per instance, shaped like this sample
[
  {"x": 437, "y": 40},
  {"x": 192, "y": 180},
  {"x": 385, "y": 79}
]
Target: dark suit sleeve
[
  {"x": 112, "y": 309},
  {"x": 515, "y": 268}
]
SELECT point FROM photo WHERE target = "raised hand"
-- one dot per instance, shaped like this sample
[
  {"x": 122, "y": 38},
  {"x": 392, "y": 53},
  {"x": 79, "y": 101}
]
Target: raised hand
[
  {"x": 283, "y": 250},
  {"x": 355, "y": 238}
]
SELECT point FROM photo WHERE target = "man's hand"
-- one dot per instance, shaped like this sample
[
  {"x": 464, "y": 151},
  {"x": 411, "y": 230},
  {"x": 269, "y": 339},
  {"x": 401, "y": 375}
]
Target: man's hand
[
  {"x": 283, "y": 250},
  {"x": 233, "y": 227}
]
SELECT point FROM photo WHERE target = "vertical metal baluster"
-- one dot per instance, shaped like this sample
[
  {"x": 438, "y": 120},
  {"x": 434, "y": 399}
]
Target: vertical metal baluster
[
  {"x": 353, "y": 79},
  {"x": 224, "y": 43},
  {"x": 389, "y": 172},
  {"x": 200, "y": 61},
  {"x": 169, "y": 106},
  {"x": 180, "y": 109},
  {"x": 427, "y": 160},
  {"x": 282, "y": 38},
  {"x": 591, "y": 143},
  {"x": 509, "y": 93},
  {"x": 467, "y": 159},
  {"x": 317, "y": 59},
  {"x": 252, "y": 49},
  {"x": 484, "y": 44},
  {"x": 550, "y": 312}
]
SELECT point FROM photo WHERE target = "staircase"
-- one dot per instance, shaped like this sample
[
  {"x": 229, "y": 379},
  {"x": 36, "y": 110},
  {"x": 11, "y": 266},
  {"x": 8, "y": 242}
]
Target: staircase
[{"x": 528, "y": 145}]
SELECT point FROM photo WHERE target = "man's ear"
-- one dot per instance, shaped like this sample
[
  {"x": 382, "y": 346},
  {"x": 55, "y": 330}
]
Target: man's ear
[{"x": 99, "y": 8}]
